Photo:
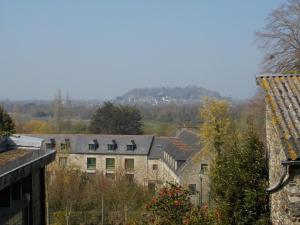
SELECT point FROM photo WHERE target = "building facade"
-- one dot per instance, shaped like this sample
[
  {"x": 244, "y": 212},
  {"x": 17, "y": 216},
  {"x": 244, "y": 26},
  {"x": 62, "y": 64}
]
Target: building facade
[
  {"x": 282, "y": 129},
  {"x": 22, "y": 180},
  {"x": 149, "y": 160}
]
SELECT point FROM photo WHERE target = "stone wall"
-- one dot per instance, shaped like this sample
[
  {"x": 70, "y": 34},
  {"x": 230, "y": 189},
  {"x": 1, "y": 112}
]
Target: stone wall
[
  {"x": 285, "y": 203},
  {"x": 143, "y": 172},
  {"x": 140, "y": 164},
  {"x": 190, "y": 174}
]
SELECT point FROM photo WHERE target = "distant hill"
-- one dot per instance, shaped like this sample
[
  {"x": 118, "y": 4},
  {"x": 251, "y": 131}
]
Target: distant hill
[{"x": 164, "y": 95}]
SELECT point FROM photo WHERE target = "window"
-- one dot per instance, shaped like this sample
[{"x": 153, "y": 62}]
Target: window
[
  {"x": 204, "y": 168},
  {"x": 49, "y": 146},
  {"x": 154, "y": 167},
  {"x": 63, "y": 146},
  {"x": 130, "y": 177},
  {"x": 110, "y": 163},
  {"x": 130, "y": 147},
  {"x": 151, "y": 187},
  {"x": 91, "y": 163},
  {"x": 68, "y": 143},
  {"x": 62, "y": 161},
  {"x": 92, "y": 147},
  {"x": 110, "y": 147},
  {"x": 192, "y": 189},
  {"x": 129, "y": 164}
]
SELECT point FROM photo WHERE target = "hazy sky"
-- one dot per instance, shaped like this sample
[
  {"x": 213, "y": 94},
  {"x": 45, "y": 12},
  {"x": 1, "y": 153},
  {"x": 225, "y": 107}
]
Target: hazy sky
[{"x": 101, "y": 49}]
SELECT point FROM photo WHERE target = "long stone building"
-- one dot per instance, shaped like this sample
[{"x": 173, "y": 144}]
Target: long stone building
[
  {"x": 149, "y": 160},
  {"x": 22, "y": 180},
  {"x": 282, "y": 97}
]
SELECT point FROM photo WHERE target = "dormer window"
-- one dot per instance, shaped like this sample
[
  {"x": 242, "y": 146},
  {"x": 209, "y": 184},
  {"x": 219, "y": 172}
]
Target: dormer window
[
  {"x": 113, "y": 146},
  {"x": 132, "y": 146},
  {"x": 48, "y": 146},
  {"x": 63, "y": 146},
  {"x": 68, "y": 143},
  {"x": 93, "y": 146},
  {"x": 51, "y": 145},
  {"x": 110, "y": 147}
]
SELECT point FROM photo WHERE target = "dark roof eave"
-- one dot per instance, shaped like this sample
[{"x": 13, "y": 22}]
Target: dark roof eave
[
  {"x": 291, "y": 162},
  {"x": 48, "y": 155}
]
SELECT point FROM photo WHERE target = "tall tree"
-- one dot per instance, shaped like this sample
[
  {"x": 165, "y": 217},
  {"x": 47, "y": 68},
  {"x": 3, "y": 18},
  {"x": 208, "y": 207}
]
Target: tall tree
[
  {"x": 113, "y": 119},
  {"x": 280, "y": 38},
  {"x": 215, "y": 123},
  {"x": 7, "y": 126},
  {"x": 67, "y": 114},
  {"x": 239, "y": 179},
  {"x": 17, "y": 118},
  {"x": 58, "y": 113}
]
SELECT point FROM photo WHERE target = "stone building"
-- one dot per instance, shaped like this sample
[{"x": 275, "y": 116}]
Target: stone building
[
  {"x": 22, "y": 180},
  {"x": 149, "y": 160},
  {"x": 282, "y": 97}
]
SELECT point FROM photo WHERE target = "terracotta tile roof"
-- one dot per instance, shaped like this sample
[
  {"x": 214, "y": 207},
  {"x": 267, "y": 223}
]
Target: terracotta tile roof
[
  {"x": 179, "y": 150},
  {"x": 283, "y": 99}
]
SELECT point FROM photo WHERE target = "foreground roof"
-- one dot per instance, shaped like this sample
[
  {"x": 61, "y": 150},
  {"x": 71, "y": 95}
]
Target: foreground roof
[
  {"x": 283, "y": 99},
  {"x": 19, "y": 155}
]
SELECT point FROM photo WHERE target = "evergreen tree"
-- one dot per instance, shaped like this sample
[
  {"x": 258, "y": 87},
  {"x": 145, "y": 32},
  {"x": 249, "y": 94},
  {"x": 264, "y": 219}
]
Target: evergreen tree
[
  {"x": 239, "y": 180},
  {"x": 112, "y": 119},
  {"x": 7, "y": 126}
]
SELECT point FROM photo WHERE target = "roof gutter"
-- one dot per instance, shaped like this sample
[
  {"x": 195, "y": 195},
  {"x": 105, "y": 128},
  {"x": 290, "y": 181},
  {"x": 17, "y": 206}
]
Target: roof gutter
[
  {"x": 285, "y": 175},
  {"x": 283, "y": 178}
]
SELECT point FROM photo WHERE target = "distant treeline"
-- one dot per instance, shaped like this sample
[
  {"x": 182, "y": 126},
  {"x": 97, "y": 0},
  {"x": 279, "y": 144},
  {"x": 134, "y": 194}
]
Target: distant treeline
[
  {"x": 68, "y": 116},
  {"x": 171, "y": 113}
]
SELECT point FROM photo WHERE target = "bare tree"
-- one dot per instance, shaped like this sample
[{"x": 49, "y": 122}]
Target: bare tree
[
  {"x": 57, "y": 113},
  {"x": 280, "y": 39}
]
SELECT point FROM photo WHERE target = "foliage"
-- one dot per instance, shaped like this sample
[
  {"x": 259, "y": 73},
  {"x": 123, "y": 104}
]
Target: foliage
[
  {"x": 239, "y": 173},
  {"x": 116, "y": 119},
  {"x": 158, "y": 128},
  {"x": 239, "y": 180},
  {"x": 7, "y": 126},
  {"x": 57, "y": 119},
  {"x": 171, "y": 206},
  {"x": 204, "y": 216},
  {"x": 251, "y": 111},
  {"x": 214, "y": 115},
  {"x": 35, "y": 126},
  {"x": 76, "y": 197},
  {"x": 281, "y": 40},
  {"x": 178, "y": 114}
]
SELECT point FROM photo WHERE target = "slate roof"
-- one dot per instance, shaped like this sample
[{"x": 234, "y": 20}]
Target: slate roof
[
  {"x": 79, "y": 143},
  {"x": 179, "y": 150},
  {"x": 189, "y": 137},
  {"x": 158, "y": 146},
  {"x": 283, "y": 99}
]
